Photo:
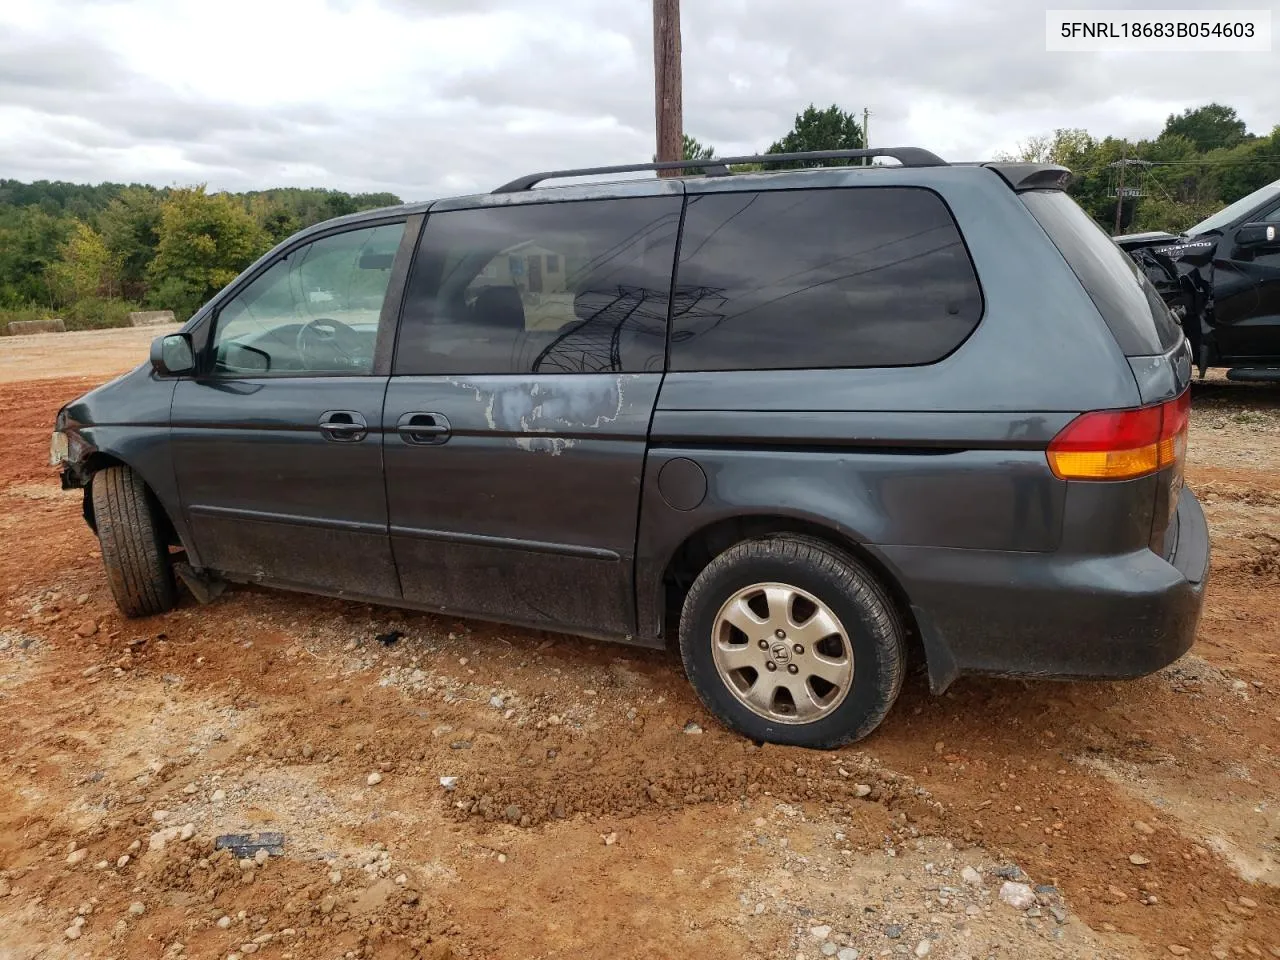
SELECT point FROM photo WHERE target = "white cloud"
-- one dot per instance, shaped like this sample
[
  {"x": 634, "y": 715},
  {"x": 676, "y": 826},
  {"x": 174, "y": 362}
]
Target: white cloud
[{"x": 432, "y": 97}]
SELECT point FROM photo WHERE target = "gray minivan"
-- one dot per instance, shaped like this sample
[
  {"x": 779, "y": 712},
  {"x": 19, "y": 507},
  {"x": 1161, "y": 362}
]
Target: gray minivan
[{"x": 799, "y": 422}]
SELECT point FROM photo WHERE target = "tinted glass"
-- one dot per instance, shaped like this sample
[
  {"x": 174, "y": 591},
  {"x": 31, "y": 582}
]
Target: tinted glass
[
  {"x": 315, "y": 310},
  {"x": 579, "y": 287},
  {"x": 1137, "y": 316},
  {"x": 859, "y": 277},
  {"x": 1229, "y": 214}
]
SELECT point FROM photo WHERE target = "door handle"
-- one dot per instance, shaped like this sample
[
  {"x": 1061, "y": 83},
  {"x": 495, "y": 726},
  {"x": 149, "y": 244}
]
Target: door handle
[
  {"x": 423, "y": 428},
  {"x": 343, "y": 426}
]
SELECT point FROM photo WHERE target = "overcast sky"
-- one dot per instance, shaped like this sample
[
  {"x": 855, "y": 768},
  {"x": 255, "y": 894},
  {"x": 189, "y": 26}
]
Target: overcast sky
[{"x": 432, "y": 97}]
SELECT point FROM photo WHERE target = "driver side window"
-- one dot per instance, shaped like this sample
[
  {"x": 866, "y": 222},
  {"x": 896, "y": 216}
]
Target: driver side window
[{"x": 315, "y": 310}]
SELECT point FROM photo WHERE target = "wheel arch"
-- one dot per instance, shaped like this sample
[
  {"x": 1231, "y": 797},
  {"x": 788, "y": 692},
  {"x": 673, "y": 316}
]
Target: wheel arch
[
  {"x": 705, "y": 543},
  {"x": 100, "y": 460}
]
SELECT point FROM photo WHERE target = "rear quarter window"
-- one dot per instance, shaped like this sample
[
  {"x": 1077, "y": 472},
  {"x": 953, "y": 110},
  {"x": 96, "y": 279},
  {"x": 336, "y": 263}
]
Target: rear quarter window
[
  {"x": 808, "y": 279},
  {"x": 1135, "y": 313}
]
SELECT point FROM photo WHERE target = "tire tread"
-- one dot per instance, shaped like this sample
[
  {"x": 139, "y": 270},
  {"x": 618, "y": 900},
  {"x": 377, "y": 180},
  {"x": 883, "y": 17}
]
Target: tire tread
[{"x": 133, "y": 551}]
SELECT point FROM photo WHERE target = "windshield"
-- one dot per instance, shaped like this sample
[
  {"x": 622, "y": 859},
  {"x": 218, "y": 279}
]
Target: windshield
[{"x": 1242, "y": 206}]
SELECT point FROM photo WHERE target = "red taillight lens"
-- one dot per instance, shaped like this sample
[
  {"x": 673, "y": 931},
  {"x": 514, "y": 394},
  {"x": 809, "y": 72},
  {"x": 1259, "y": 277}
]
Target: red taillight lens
[{"x": 1122, "y": 444}]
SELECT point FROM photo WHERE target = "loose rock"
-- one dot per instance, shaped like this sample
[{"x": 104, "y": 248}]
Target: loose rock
[
  {"x": 923, "y": 948},
  {"x": 820, "y": 932},
  {"x": 224, "y": 923},
  {"x": 1178, "y": 950},
  {"x": 862, "y": 791},
  {"x": 1017, "y": 895},
  {"x": 971, "y": 877},
  {"x": 1143, "y": 828},
  {"x": 218, "y": 796},
  {"x": 1138, "y": 860},
  {"x": 137, "y": 908},
  {"x": 692, "y": 727},
  {"x": 829, "y": 949},
  {"x": 76, "y": 856},
  {"x": 374, "y": 779},
  {"x": 847, "y": 953}
]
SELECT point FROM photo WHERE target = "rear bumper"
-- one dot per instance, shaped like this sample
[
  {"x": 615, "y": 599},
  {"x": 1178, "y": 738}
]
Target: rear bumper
[{"x": 1055, "y": 615}]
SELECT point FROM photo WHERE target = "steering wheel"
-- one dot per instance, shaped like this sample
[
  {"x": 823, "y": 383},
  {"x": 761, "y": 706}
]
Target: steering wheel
[{"x": 327, "y": 344}]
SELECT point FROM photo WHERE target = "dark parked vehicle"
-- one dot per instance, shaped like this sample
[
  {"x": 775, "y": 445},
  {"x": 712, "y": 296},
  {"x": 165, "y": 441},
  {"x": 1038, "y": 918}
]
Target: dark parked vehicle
[
  {"x": 1222, "y": 280},
  {"x": 797, "y": 422}
]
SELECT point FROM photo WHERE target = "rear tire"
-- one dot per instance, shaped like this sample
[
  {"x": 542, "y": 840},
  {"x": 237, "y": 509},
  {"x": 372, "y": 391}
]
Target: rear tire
[
  {"x": 133, "y": 550},
  {"x": 803, "y": 691}
]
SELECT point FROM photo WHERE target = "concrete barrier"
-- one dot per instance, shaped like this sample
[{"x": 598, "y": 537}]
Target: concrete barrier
[
  {"x": 19, "y": 327},
  {"x": 151, "y": 318}
]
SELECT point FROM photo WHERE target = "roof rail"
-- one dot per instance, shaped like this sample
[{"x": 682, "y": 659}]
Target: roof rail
[{"x": 719, "y": 167}]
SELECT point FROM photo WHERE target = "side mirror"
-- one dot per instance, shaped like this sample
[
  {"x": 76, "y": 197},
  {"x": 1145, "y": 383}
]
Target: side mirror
[
  {"x": 239, "y": 358},
  {"x": 172, "y": 355},
  {"x": 1256, "y": 234}
]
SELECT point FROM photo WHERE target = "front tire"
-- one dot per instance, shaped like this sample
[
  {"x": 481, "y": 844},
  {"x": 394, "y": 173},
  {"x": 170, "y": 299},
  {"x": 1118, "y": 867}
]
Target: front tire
[
  {"x": 792, "y": 641},
  {"x": 133, "y": 548}
]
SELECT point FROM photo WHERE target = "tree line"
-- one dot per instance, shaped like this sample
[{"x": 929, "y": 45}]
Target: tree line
[
  {"x": 1201, "y": 160},
  {"x": 90, "y": 254}
]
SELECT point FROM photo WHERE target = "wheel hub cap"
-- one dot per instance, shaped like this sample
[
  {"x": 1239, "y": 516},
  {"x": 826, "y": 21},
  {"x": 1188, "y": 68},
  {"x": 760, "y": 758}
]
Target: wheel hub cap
[{"x": 782, "y": 653}]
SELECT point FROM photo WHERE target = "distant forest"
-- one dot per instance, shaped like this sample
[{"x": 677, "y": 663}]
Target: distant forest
[{"x": 90, "y": 254}]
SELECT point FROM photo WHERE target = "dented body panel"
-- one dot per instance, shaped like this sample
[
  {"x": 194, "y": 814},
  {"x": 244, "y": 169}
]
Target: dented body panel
[
  {"x": 1222, "y": 283},
  {"x": 528, "y": 511}
]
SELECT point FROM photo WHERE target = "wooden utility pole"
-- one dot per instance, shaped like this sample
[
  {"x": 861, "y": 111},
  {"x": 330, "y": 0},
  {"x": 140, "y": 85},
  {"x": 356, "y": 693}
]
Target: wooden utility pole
[
  {"x": 668, "y": 101},
  {"x": 1124, "y": 163}
]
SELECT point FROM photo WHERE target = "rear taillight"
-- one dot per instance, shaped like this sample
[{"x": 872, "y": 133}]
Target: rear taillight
[{"x": 1122, "y": 444}]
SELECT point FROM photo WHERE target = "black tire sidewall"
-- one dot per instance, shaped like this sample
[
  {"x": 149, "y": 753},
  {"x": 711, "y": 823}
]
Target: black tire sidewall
[{"x": 863, "y": 611}]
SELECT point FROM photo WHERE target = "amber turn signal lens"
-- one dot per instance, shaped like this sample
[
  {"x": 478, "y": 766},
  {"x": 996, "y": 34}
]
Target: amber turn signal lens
[{"x": 1122, "y": 444}]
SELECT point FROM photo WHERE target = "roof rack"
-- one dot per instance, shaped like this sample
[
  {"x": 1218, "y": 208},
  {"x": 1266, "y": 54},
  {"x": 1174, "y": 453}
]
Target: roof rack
[{"x": 719, "y": 167}]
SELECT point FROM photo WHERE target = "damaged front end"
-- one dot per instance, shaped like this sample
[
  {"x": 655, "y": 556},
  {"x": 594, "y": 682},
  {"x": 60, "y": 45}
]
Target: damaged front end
[{"x": 1180, "y": 269}]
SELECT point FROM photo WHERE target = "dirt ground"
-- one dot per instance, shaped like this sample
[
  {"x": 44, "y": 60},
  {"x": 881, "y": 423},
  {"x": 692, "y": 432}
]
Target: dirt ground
[
  {"x": 86, "y": 353},
  {"x": 477, "y": 791}
]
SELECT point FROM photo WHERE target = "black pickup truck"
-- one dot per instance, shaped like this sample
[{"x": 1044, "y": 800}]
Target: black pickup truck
[{"x": 1221, "y": 278}]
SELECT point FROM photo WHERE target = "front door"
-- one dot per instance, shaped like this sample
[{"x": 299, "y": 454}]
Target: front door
[
  {"x": 1246, "y": 287},
  {"x": 278, "y": 442},
  {"x": 516, "y": 419}
]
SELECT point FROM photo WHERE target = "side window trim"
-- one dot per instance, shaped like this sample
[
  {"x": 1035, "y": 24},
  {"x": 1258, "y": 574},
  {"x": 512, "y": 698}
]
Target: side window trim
[
  {"x": 208, "y": 347},
  {"x": 384, "y": 349}
]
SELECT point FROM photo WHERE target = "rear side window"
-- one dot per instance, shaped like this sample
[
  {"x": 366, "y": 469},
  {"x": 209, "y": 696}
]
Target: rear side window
[
  {"x": 574, "y": 287},
  {"x": 854, "y": 277},
  {"x": 1137, "y": 316}
]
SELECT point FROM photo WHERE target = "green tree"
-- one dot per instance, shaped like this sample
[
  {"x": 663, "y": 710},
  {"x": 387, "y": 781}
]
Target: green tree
[
  {"x": 829, "y": 129},
  {"x": 205, "y": 241},
  {"x": 29, "y": 242},
  {"x": 695, "y": 149},
  {"x": 84, "y": 268},
  {"x": 130, "y": 227},
  {"x": 1209, "y": 127}
]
